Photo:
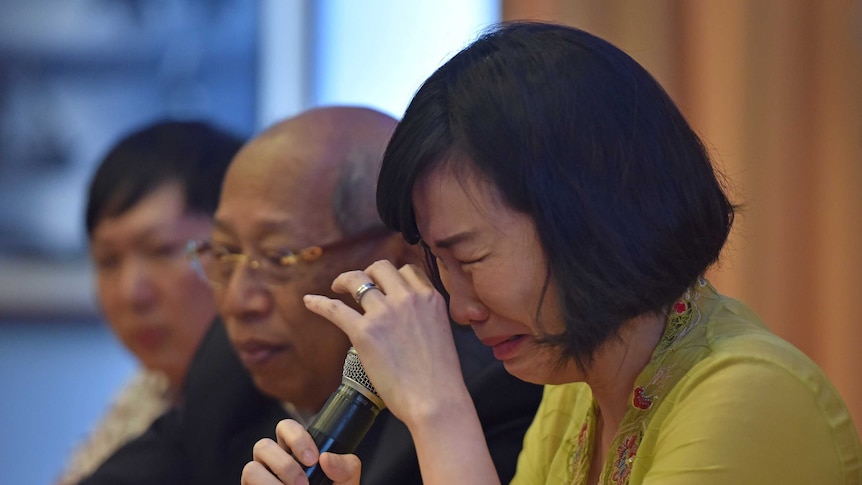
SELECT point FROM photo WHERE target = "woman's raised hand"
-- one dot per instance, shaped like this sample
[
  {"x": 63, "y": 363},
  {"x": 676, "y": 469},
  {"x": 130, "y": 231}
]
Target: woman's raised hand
[{"x": 403, "y": 338}]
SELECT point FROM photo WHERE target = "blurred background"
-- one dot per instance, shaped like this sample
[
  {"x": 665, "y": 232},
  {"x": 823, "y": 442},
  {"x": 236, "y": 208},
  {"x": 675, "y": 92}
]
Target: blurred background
[{"x": 773, "y": 86}]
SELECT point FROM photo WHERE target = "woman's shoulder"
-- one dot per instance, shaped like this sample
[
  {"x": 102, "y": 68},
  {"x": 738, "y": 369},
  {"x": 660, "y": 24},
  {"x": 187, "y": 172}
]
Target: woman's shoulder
[
  {"x": 745, "y": 379},
  {"x": 737, "y": 337},
  {"x": 755, "y": 388},
  {"x": 753, "y": 382},
  {"x": 717, "y": 331}
]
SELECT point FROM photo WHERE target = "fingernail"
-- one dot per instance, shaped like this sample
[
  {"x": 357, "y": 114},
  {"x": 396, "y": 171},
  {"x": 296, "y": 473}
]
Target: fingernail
[{"x": 308, "y": 457}]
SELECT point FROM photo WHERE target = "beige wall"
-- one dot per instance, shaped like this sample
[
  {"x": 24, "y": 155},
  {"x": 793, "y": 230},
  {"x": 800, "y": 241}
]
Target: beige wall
[{"x": 775, "y": 89}]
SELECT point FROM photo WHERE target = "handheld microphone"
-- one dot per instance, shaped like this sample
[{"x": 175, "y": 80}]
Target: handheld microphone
[{"x": 345, "y": 418}]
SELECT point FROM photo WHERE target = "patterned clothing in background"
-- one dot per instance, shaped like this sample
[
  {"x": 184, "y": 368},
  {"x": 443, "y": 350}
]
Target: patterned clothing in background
[{"x": 137, "y": 405}]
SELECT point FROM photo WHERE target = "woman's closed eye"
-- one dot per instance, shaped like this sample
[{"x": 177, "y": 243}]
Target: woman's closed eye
[
  {"x": 468, "y": 262},
  {"x": 464, "y": 263},
  {"x": 471, "y": 257}
]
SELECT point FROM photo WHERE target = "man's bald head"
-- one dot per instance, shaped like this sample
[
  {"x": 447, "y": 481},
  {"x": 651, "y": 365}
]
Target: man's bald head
[{"x": 325, "y": 156}]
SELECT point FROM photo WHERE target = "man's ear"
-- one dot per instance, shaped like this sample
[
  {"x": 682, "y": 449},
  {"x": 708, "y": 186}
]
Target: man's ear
[{"x": 396, "y": 250}]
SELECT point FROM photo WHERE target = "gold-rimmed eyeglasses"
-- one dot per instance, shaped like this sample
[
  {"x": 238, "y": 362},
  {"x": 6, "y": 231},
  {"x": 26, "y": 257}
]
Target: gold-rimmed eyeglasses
[{"x": 217, "y": 263}]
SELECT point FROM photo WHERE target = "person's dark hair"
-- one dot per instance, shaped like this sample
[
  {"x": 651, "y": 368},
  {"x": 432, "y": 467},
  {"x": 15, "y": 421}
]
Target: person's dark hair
[
  {"x": 576, "y": 134},
  {"x": 194, "y": 154}
]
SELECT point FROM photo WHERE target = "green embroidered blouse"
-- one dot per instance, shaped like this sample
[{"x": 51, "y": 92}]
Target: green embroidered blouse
[{"x": 722, "y": 401}]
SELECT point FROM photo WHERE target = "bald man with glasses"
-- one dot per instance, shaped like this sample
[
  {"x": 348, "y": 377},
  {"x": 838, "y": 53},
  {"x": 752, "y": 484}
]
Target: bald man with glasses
[{"x": 298, "y": 208}]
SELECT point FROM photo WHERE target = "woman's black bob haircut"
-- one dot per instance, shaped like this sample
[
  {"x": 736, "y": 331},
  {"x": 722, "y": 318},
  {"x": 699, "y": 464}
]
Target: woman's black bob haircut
[
  {"x": 573, "y": 132},
  {"x": 193, "y": 153}
]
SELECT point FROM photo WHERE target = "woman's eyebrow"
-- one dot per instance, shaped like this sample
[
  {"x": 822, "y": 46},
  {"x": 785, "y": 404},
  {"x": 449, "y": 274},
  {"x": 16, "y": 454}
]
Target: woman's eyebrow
[{"x": 449, "y": 241}]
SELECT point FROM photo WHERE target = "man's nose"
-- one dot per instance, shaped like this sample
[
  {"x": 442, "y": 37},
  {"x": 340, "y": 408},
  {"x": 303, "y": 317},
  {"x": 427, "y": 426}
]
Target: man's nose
[{"x": 244, "y": 296}]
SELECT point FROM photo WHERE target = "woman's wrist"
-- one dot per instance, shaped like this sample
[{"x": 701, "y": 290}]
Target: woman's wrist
[{"x": 451, "y": 444}]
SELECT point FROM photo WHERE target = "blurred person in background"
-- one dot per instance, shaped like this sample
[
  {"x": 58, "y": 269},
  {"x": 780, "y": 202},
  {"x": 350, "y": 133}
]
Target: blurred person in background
[{"x": 155, "y": 190}]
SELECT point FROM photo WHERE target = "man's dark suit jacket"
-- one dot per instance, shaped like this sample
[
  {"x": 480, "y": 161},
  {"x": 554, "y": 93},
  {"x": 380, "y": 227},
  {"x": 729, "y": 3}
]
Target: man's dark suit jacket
[{"x": 209, "y": 438}]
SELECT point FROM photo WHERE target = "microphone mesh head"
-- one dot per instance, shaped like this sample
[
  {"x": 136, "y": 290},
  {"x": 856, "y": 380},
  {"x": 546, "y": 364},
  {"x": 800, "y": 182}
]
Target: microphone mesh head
[{"x": 354, "y": 371}]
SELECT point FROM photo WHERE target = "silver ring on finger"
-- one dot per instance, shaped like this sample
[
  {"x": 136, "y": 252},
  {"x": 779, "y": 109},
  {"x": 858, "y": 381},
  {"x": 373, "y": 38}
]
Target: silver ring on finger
[{"x": 360, "y": 292}]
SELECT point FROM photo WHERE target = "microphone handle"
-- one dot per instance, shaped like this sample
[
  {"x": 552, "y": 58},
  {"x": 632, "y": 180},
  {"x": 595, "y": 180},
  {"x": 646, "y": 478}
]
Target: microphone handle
[{"x": 340, "y": 426}]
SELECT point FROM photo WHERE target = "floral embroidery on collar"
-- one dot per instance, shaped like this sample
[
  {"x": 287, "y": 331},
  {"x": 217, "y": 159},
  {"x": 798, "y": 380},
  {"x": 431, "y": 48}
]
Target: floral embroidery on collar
[
  {"x": 682, "y": 317},
  {"x": 643, "y": 396},
  {"x": 578, "y": 465},
  {"x": 625, "y": 457}
]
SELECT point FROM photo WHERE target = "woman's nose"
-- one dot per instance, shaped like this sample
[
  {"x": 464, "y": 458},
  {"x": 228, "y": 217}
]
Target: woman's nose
[{"x": 465, "y": 307}]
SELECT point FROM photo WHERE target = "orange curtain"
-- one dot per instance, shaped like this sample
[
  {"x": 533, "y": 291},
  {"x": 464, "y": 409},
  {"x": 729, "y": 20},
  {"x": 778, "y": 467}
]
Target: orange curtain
[{"x": 775, "y": 89}]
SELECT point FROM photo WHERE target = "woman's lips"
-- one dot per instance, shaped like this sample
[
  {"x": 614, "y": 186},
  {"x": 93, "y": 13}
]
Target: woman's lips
[{"x": 505, "y": 347}]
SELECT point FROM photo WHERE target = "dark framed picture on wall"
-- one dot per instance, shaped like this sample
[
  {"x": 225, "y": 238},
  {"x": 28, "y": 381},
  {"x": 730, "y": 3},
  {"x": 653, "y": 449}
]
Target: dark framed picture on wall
[{"x": 75, "y": 75}]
